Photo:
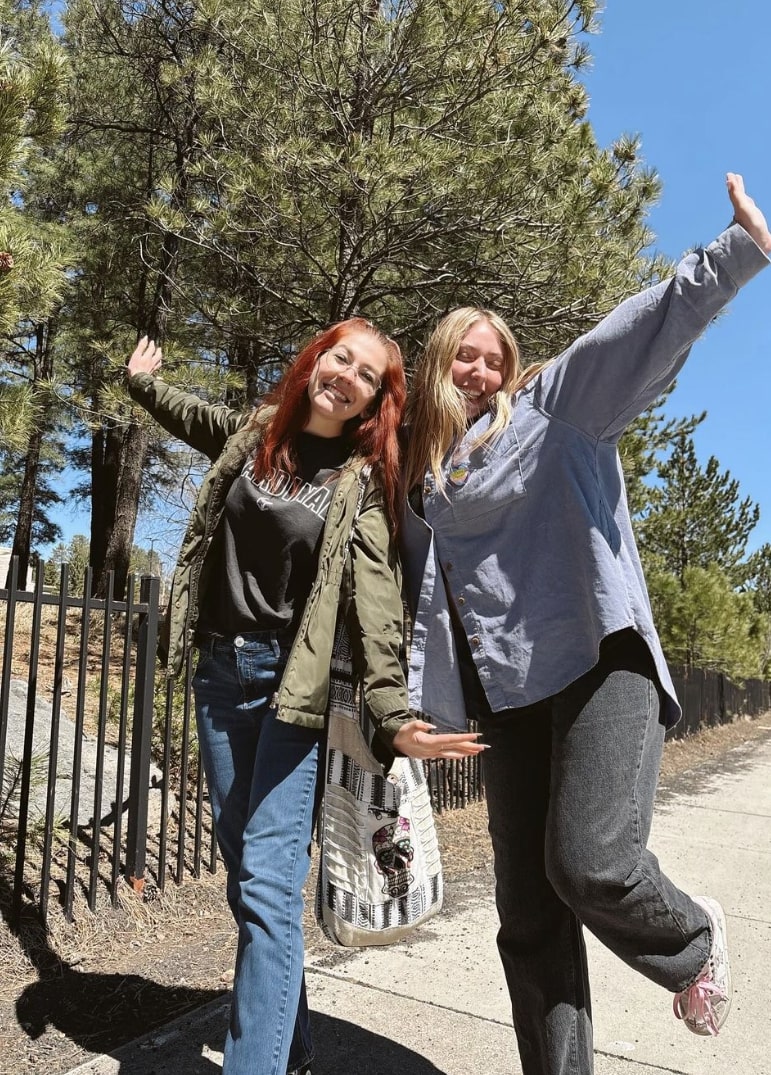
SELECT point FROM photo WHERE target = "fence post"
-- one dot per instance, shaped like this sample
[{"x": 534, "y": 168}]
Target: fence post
[
  {"x": 141, "y": 735},
  {"x": 5, "y": 679},
  {"x": 28, "y": 748}
]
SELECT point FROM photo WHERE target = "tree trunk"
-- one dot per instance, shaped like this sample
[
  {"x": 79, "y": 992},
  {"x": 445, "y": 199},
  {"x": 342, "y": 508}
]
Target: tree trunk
[
  {"x": 121, "y": 537},
  {"x": 22, "y": 538},
  {"x": 106, "y": 452},
  {"x": 42, "y": 369}
]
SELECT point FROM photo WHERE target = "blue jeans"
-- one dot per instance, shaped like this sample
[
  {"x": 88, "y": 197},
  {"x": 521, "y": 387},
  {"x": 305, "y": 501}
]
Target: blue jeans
[
  {"x": 570, "y": 784},
  {"x": 262, "y": 778}
]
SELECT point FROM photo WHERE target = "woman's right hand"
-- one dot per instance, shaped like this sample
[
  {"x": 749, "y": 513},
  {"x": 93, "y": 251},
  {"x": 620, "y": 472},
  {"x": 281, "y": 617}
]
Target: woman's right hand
[
  {"x": 147, "y": 357},
  {"x": 415, "y": 740}
]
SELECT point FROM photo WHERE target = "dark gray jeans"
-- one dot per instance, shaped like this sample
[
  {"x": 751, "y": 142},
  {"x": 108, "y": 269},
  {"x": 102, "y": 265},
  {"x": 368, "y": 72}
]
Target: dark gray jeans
[{"x": 570, "y": 784}]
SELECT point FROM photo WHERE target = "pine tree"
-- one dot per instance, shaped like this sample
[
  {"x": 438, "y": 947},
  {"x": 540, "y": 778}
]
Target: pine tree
[
  {"x": 398, "y": 160},
  {"x": 758, "y": 586},
  {"x": 239, "y": 175},
  {"x": 696, "y": 517},
  {"x": 759, "y": 578},
  {"x": 75, "y": 554},
  {"x": 134, "y": 138},
  {"x": 703, "y": 622},
  {"x": 644, "y": 443},
  {"x": 33, "y": 256}
]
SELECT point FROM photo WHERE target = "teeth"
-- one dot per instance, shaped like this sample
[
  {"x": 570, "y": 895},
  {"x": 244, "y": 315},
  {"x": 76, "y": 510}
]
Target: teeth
[{"x": 337, "y": 393}]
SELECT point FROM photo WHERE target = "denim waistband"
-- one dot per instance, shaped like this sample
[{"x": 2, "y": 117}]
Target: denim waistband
[{"x": 208, "y": 641}]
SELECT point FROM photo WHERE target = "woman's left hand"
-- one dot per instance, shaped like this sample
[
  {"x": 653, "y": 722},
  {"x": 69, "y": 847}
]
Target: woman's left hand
[
  {"x": 415, "y": 738},
  {"x": 747, "y": 213}
]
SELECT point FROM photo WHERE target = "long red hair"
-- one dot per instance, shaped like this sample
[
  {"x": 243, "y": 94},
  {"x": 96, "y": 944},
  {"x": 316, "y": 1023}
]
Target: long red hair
[{"x": 374, "y": 434}]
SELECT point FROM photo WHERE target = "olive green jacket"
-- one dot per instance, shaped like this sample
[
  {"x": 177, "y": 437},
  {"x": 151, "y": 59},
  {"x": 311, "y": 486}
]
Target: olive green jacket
[{"x": 360, "y": 584}]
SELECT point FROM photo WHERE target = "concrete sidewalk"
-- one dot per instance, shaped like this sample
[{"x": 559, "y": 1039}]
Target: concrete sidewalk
[{"x": 438, "y": 1005}]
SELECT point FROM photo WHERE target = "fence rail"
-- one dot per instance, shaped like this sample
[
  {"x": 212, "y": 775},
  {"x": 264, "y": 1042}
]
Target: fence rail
[
  {"x": 94, "y": 651},
  {"x": 87, "y": 722}
]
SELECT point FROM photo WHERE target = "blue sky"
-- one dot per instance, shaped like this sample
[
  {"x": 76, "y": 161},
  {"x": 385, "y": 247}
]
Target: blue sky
[{"x": 693, "y": 79}]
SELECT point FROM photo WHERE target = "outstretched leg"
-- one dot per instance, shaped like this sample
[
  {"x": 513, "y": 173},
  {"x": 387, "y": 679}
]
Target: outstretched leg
[{"x": 607, "y": 740}]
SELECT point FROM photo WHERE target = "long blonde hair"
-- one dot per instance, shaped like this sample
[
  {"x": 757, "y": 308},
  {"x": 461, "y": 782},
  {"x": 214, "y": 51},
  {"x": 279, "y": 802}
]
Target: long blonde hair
[{"x": 436, "y": 412}]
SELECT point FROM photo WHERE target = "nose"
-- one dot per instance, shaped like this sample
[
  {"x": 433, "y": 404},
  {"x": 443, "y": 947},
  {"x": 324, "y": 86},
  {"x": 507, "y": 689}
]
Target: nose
[
  {"x": 478, "y": 369},
  {"x": 348, "y": 373}
]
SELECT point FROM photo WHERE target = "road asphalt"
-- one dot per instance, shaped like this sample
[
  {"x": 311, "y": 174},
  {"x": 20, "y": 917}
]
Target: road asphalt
[{"x": 437, "y": 1005}]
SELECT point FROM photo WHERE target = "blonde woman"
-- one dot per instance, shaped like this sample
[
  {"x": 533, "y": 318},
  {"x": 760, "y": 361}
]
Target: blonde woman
[{"x": 531, "y": 615}]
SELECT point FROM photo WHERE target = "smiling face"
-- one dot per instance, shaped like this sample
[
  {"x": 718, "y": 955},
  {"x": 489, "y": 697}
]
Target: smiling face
[
  {"x": 479, "y": 367},
  {"x": 345, "y": 382}
]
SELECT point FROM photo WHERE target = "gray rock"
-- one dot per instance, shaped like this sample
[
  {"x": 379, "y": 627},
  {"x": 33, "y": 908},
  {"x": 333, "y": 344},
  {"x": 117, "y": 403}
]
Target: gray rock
[{"x": 41, "y": 740}]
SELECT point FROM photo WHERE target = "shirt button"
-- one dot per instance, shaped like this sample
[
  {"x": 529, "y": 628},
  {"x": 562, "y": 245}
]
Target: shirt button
[
  {"x": 448, "y": 567},
  {"x": 238, "y": 641},
  {"x": 461, "y": 600},
  {"x": 426, "y": 489},
  {"x": 474, "y": 640}
]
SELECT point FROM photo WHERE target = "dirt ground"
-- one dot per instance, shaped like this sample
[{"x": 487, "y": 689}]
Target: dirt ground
[{"x": 92, "y": 985}]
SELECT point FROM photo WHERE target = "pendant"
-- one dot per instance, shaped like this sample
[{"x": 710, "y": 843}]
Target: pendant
[{"x": 459, "y": 473}]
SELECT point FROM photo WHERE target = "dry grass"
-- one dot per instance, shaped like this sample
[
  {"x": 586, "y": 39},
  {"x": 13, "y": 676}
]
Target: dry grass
[
  {"x": 711, "y": 744},
  {"x": 85, "y": 986}
]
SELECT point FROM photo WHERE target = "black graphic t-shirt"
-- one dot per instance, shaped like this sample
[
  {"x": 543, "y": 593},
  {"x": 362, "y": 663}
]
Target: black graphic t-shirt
[{"x": 265, "y": 550}]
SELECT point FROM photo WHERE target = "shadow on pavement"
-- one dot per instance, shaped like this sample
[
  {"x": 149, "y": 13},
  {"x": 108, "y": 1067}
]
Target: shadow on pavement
[
  {"x": 194, "y": 1046},
  {"x": 343, "y": 1048},
  {"x": 95, "y": 1011}
]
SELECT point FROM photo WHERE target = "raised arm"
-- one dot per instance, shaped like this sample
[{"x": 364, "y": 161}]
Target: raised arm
[
  {"x": 610, "y": 375},
  {"x": 204, "y": 426}
]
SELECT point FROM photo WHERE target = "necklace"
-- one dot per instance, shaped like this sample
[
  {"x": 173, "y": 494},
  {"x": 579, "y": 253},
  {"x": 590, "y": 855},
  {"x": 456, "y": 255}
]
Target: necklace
[{"x": 459, "y": 470}]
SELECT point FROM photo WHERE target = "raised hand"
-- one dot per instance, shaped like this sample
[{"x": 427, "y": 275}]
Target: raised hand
[
  {"x": 747, "y": 213},
  {"x": 147, "y": 357},
  {"x": 415, "y": 739}
]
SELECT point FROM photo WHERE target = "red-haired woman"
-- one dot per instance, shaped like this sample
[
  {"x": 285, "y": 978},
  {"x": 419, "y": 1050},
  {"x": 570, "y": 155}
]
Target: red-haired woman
[{"x": 274, "y": 552}]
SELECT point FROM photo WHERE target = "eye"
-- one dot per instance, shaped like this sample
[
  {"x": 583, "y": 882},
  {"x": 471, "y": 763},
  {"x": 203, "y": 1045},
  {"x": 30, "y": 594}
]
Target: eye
[
  {"x": 370, "y": 379},
  {"x": 494, "y": 363}
]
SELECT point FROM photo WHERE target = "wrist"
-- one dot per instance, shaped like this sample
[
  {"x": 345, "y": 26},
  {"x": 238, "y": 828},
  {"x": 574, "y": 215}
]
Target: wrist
[{"x": 760, "y": 236}]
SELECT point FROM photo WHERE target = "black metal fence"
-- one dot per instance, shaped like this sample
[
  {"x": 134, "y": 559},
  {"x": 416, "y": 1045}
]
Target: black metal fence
[
  {"x": 710, "y": 698},
  {"x": 95, "y": 749},
  {"x": 100, "y": 777},
  {"x": 454, "y": 784}
]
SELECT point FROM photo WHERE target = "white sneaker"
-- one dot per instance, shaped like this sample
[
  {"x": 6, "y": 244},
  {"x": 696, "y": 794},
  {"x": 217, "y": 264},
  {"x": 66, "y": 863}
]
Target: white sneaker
[{"x": 704, "y": 1005}]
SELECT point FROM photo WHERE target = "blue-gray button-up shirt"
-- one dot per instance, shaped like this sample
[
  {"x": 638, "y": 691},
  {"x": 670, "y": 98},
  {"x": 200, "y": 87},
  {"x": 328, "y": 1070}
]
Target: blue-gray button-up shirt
[{"x": 533, "y": 540}]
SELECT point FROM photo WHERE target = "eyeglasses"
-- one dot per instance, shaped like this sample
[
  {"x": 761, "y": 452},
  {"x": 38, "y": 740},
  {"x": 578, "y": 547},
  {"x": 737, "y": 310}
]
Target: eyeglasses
[{"x": 341, "y": 360}]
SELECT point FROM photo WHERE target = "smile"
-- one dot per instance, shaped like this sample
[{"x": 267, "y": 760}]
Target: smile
[{"x": 335, "y": 392}]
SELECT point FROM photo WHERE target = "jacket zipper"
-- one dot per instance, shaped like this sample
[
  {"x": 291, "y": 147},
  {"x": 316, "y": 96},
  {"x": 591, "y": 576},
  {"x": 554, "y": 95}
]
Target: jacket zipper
[{"x": 339, "y": 496}]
